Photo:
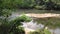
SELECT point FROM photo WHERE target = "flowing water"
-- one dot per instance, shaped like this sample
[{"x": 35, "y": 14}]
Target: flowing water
[
  {"x": 55, "y": 31},
  {"x": 33, "y": 25}
]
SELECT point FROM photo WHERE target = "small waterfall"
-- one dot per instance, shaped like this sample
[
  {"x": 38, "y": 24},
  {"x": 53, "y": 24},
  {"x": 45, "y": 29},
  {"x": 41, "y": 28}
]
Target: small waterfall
[{"x": 31, "y": 26}]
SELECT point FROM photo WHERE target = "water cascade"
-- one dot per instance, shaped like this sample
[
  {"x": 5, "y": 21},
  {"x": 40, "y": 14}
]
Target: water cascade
[{"x": 31, "y": 26}]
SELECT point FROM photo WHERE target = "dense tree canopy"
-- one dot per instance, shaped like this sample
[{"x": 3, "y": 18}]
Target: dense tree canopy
[{"x": 52, "y": 4}]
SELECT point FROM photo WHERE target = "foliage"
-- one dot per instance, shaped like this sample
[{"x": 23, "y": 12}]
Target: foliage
[
  {"x": 46, "y": 31},
  {"x": 48, "y": 4},
  {"x": 5, "y": 13},
  {"x": 9, "y": 4},
  {"x": 14, "y": 4},
  {"x": 11, "y": 27},
  {"x": 25, "y": 18},
  {"x": 43, "y": 31}
]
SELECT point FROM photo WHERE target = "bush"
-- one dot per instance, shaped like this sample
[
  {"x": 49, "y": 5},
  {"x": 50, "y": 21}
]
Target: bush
[
  {"x": 12, "y": 4},
  {"x": 13, "y": 26},
  {"x": 25, "y": 18},
  {"x": 16, "y": 4}
]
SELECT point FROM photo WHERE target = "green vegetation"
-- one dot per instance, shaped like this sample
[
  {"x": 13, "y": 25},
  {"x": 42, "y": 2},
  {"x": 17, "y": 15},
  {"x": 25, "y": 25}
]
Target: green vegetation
[
  {"x": 25, "y": 18},
  {"x": 9, "y": 4},
  {"x": 46, "y": 31},
  {"x": 43, "y": 31},
  {"x": 13, "y": 26},
  {"x": 27, "y": 4}
]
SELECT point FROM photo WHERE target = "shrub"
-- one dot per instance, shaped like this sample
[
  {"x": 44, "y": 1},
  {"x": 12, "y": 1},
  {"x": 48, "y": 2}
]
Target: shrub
[
  {"x": 25, "y": 18},
  {"x": 12, "y": 4},
  {"x": 12, "y": 27}
]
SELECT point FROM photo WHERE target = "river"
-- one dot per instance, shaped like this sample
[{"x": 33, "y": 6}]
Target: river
[{"x": 18, "y": 12}]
